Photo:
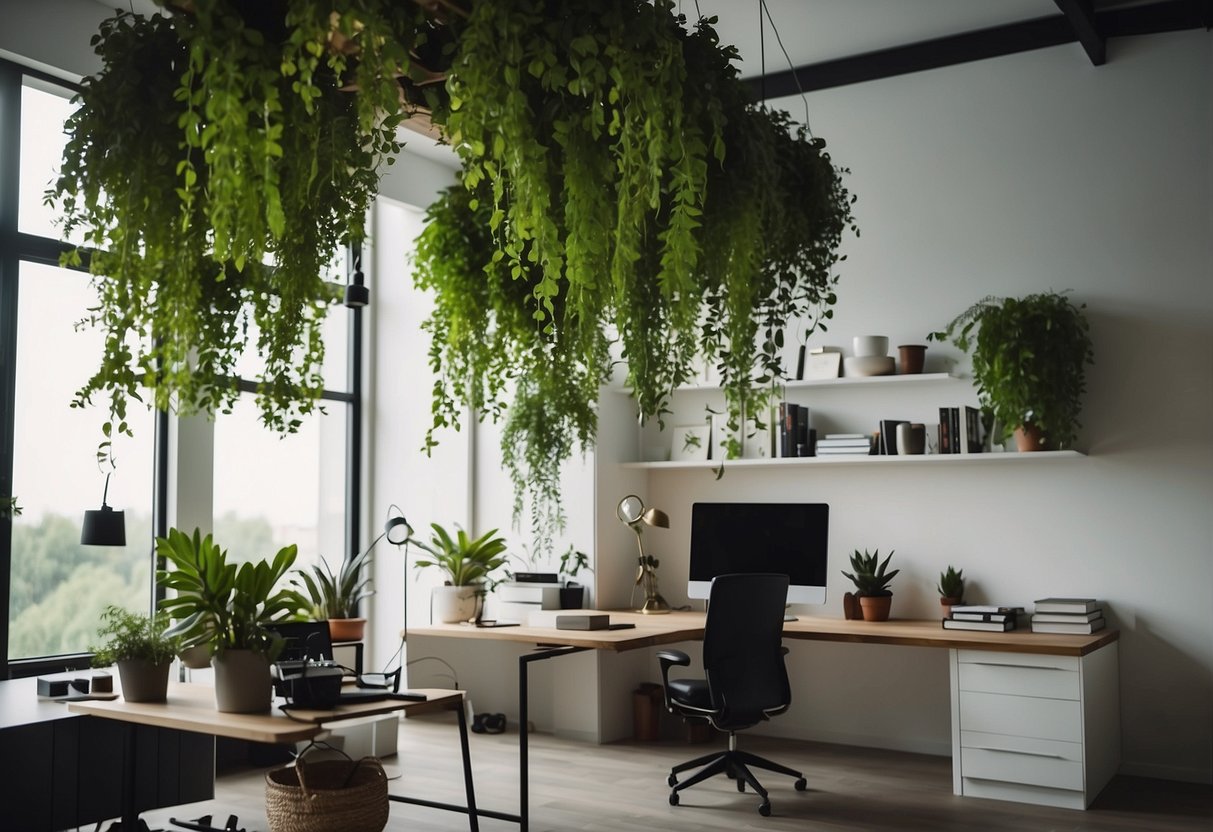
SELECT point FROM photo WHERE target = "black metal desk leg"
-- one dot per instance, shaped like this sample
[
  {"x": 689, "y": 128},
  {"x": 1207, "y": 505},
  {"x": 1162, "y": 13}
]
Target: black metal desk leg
[
  {"x": 469, "y": 788},
  {"x": 524, "y": 774}
]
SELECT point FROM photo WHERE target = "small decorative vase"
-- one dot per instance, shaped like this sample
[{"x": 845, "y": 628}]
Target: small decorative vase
[
  {"x": 143, "y": 681},
  {"x": 912, "y": 356},
  {"x": 850, "y": 607},
  {"x": 911, "y": 438},
  {"x": 347, "y": 629},
  {"x": 875, "y": 607},
  {"x": 1028, "y": 438},
  {"x": 870, "y": 345}
]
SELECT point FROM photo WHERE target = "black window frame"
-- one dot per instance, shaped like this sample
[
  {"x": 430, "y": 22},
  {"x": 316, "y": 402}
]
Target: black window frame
[{"x": 17, "y": 248}]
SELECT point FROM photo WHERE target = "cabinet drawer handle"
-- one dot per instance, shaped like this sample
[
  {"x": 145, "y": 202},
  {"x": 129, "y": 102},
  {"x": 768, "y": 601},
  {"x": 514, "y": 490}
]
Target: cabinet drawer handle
[
  {"x": 1016, "y": 751},
  {"x": 1021, "y": 666}
]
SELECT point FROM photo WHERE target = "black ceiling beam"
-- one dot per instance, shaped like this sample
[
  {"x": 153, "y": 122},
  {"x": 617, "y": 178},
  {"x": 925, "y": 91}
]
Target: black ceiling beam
[
  {"x": 1081, "y": 14},
  {"x": 1166, "y": 16}
]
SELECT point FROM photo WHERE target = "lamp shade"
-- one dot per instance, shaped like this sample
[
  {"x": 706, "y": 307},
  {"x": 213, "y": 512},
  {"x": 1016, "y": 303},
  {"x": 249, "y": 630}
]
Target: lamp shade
[
  {"x": 357, "y": 295},
  {"x": 103, "y": 527},
  {"x": 397, "y": 531}
]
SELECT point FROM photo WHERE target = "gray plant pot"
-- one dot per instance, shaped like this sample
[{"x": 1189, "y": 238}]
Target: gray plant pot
[
  {"x": 242, "y": 682},
  {"x": 196, "y": 657},
  {"x": 143, "y": 681}
]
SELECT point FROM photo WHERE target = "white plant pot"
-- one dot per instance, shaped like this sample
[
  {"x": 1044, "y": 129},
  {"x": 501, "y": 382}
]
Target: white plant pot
[
  {"x": 452, "y": 604},
  {"x": 870, "y": 345}
]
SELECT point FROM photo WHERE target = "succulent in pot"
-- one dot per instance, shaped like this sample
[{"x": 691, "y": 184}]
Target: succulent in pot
[
  {"x": 951, "y": 588},
  {"x": 335, "y": 596},
  {"x": 872, "y": 583},
  {"x": 467, "y": 564}
]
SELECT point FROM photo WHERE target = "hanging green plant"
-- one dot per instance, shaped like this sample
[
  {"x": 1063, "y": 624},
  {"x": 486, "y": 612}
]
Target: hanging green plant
[
  {"x": 622, "y": 197},
  {"x": 215, "y": 164}
]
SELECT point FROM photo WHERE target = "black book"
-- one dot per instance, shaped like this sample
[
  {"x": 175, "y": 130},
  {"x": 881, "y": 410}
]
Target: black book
[
  {"x": 996, "y": 626},
  {"x": 802, "y": 447},
  {"x": 945, "y": 434},
  {"x": 888, "y": 435},
  {"x": 954, "y": 427}
]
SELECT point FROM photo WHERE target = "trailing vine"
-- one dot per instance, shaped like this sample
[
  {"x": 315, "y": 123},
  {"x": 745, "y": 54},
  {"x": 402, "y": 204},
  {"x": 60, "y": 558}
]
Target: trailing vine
[
  {"x": 215, "y": 164},
  {"x": 623, "y": 198}
]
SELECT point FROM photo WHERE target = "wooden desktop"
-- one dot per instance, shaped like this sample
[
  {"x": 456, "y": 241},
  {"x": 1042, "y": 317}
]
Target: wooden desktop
[{"x": 1035, "y": 716}]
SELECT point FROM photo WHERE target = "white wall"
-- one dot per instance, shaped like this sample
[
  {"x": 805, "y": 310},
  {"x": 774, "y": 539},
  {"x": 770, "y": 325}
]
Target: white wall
[{"x": 1010, "y": 176}]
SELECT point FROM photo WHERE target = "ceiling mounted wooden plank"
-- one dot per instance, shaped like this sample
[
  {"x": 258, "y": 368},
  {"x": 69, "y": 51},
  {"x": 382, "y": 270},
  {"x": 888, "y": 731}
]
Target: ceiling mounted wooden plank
[
  {"x": 1147, "y": 19},
  {"x": 1081, "y": 14}
]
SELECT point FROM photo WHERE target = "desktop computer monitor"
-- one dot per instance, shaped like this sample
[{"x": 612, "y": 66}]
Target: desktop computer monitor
[{"x": 785, "y": 538}]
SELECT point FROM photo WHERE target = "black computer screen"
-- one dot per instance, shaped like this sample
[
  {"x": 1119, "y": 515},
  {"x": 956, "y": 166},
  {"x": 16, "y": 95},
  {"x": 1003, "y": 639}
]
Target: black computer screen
[{"x": 786, "y": 538}]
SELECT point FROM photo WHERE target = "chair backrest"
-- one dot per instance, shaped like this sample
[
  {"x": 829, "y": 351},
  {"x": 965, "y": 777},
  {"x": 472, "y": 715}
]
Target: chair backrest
[{"x": 743, "y": 650}]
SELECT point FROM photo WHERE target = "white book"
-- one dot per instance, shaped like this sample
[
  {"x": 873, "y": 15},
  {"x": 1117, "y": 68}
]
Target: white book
[
  {"x": 1067, "y": 617},
  {"x": 1066, "y": 605},
  {"x": 1077, "y": 627},
  {"x": 996, "y": 626}
]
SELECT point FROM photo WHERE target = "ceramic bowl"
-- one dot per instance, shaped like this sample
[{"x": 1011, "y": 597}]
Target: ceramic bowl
[
  {"x": 871, "y": 345},
  {"x": 868, "y": 365}
]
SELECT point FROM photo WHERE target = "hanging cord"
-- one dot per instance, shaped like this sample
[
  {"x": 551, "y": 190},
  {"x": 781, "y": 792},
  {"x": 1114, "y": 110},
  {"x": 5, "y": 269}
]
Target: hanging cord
[
  {"x": 791, "y": 68},
  {"x": 762, "y": 54}
]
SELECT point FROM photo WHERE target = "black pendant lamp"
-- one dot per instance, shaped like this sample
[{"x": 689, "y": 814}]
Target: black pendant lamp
[
  {"x": 357, "y": 295},
  {"x": 104, "y": 526}
]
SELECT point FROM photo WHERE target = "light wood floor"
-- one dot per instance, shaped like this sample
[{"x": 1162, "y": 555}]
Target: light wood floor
[{"x": 622, "y": 787}]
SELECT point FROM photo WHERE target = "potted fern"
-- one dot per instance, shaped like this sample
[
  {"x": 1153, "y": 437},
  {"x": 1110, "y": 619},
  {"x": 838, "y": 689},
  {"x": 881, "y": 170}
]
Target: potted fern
[
  {"x": 467, "y": 564},
  {"x": 872, "y": 583},
  {"x": 1029, "y": 358},
  {"x": 335, "y": 597},
  {"x": 141, "y": 648}
]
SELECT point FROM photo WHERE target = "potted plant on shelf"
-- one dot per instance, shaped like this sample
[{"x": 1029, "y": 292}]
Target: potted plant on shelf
[
  {"x": 467, "y": 564},
  {"x": 231, "y": 609},
  {"x": 1029, "y": 359},
  {"x": 871, "y": 584},
  {"x": 335, "y": 597},
  {"x": 572, "y": 594},
  {"x": 141, "y": 648},
  {"x": 951, "y": 588}
]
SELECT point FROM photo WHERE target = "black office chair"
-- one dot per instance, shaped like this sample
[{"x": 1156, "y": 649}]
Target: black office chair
[{"x": 746, "y": 679}]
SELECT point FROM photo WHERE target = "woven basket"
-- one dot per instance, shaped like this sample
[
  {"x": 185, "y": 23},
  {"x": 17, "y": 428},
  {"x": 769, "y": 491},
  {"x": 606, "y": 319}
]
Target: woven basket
[{"x": 327, "y": 796}]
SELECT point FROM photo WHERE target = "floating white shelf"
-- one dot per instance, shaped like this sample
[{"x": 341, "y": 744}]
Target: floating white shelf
[
  {"x": 923, "y": 459},
  {"x": 849, "y": 382}
]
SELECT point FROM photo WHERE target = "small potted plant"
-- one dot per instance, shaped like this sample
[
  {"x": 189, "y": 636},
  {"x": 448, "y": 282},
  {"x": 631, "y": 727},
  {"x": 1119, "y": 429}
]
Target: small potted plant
[
  {"x": 572, "y": 594},
  {"x": 335, "y": 597},
  {"x": 231, "y": 609},
  {"x": 951, "y": 588},
  {"x": 467, "y": 564},
  {"x": 1029, "y": 358},
  {"x": 141, "y": 648},
  {"x": 871, "y": 583}
]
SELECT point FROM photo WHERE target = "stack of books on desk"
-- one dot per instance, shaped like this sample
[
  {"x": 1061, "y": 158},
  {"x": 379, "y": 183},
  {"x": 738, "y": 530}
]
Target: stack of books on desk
[
  {"x": 1068, "y": 615},
  {"x": 983, "y": 617},
  {"x": 844, "y": 444}
]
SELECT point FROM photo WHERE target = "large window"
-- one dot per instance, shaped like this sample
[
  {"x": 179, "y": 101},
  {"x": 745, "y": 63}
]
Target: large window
[
  {"x": 59, "y": 587},
  {"x": 268, "y": 490}
]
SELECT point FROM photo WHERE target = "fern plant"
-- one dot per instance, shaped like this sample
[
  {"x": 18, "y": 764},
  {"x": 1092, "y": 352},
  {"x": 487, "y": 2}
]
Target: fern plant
[
  {"x": 127, "y": 635},
  {"x": 869, "y": 575}
]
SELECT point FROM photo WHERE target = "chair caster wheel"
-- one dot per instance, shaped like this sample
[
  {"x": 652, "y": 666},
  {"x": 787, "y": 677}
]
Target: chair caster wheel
[
  {"x": 740, "y": 785},
  {"x": 765, "y": 809},
  {"x": 673, "y": 798},
  {"x": 801, "y": 784},
  {"x": 671, "y": 781}
]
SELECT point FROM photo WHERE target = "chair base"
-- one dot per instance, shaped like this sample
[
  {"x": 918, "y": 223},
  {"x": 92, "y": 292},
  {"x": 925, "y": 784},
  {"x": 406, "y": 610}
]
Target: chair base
[{"x": 736, "y": 764}]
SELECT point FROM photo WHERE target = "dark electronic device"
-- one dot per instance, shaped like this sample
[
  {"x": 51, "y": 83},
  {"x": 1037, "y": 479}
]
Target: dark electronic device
[
  {"x": 307, "y": 677},
  {"x": 784, "y": 538}
]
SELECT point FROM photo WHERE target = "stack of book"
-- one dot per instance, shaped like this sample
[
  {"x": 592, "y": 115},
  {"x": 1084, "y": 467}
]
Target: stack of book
[
  {"x": 795, "y": 435},
  {"x": 983, "y": 617},
  {"x": 1067, "y": 615},
  {"x": 844, "y": 444}
]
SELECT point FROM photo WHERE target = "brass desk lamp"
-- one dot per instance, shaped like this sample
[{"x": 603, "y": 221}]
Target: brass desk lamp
[{"x": 632, "y": 512}]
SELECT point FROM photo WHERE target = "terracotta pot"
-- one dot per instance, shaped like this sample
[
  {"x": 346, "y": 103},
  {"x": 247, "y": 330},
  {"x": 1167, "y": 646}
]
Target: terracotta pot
[
  {"x": 346, "y": 629},
  {"x": 143, "y": 681},
  {"x": 946, "y": 605},
  {"x": 912, "y": 357},
  {"x": 875, "y": 607},
  {"x": 850, "y": 607},
  {"x": 1028, "y": 437}
]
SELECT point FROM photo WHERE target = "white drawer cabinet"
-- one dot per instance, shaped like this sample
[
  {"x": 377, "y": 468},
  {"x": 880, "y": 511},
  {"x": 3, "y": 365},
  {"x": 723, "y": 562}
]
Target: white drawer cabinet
[{"x": 1035, "y": 729}]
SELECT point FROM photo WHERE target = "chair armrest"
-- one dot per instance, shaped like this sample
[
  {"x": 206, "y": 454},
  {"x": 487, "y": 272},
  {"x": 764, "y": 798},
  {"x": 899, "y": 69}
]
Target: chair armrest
[{"x": 670, "y": 658}]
